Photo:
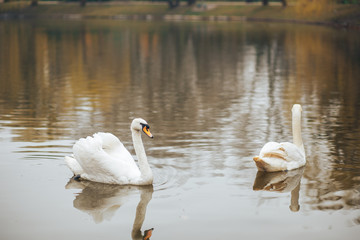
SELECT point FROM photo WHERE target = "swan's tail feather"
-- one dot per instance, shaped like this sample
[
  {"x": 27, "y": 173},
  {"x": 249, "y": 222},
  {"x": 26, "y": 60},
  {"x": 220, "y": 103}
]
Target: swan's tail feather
[
  {"x": 73, "y": 165},
  {"x": 261, "y": 164}
]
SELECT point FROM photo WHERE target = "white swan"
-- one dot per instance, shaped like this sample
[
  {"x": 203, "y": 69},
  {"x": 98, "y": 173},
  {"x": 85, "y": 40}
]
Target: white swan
[
  {"x": 284, "y": 156},
  {"x": 103, "y": 158}
]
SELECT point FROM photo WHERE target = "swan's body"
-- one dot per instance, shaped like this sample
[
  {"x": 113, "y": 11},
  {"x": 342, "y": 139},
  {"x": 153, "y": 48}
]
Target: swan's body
[
  {"x": 284, "y": 156},
  {"x": 103, "y": 158}
]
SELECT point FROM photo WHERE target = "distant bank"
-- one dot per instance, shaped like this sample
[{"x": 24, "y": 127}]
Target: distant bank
[{"x": 339, "y": 15}]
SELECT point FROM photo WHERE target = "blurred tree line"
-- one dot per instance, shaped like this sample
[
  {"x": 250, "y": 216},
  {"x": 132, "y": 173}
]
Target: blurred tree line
[{"x": 302, "y": 4}]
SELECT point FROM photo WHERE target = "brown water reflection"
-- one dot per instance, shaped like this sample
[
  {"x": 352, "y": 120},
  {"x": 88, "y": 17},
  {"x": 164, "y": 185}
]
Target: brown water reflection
[
  {"x": 213, "y": 93},
  {"x": 281, "y": 182},
  {"x": 101, "y": 201}
]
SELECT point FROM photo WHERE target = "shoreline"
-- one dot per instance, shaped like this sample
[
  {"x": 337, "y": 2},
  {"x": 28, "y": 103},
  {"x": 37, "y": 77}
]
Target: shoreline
[{"x": 211, "y": 11}]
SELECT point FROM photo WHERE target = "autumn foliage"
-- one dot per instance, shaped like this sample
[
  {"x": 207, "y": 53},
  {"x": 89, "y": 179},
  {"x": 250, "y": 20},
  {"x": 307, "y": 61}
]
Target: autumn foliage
[{"x": 310, "y": 7}]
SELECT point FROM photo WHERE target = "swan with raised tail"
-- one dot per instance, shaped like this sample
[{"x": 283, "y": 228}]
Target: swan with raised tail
[
  {"x": 103, "y": 158},
  {"x": 284, "y": 156}
]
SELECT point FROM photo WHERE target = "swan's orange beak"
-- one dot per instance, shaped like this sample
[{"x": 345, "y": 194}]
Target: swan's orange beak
[
  {"x": 148, "y": 233},
  {"x": 147, "y": 131}
]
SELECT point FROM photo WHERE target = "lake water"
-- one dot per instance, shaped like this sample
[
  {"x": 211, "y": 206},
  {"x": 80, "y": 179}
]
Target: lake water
[{"x": 213, "y": 93}]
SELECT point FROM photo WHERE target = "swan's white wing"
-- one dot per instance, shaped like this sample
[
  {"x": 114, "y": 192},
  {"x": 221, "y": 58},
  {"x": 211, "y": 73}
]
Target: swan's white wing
[
  {"x": 113, "y": 146},
  {"x": 112, "y": 165},
  {"x": 279, "y": 157},
  {"x": 294, "y": 154}
]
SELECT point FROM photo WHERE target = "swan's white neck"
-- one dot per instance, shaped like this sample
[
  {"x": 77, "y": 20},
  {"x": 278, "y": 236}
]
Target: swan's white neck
[
  {"x": 146, "y": 173},
  {"x": 296, "y": 130}
]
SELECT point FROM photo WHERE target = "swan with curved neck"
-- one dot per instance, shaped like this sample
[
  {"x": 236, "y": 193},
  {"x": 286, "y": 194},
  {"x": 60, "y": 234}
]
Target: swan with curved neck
[
  {"x": 103, "y": 158},
  {"x": 284, "y": 156}
]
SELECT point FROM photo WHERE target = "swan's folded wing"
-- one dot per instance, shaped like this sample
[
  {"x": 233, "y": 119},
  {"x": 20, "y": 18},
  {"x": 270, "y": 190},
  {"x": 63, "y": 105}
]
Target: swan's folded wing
[
  {"x": 274, "y": 150},
  {"x": 113, "y": 146},
  {"x": 293, "y": 152},
  {"x": 100, "y": 166},
  {"x": 286, "y": 151},
  {"x": 279, "y": 157}
]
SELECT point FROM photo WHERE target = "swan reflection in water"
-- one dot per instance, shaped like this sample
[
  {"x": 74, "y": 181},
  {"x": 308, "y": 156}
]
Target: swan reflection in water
[
  {"x": 101, "y": 201},
  {"x": 281, "y": 182}
]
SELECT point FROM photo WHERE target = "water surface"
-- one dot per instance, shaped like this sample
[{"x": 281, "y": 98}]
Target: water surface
[{"x": 213, "y": 94}]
